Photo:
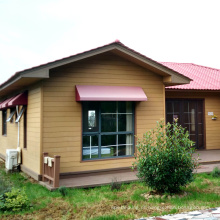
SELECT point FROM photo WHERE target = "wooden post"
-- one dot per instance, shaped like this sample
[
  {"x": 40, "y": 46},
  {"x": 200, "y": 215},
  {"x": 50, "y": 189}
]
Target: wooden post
[
  {"x": 44, "y": 155},
  {"x": 56, "y": 171}
]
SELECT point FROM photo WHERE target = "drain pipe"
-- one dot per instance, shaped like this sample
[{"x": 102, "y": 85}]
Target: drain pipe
[{"x": 18, "y": 146}]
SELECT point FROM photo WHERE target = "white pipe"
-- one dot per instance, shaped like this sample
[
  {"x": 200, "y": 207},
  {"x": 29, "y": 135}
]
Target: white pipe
[
  {"x": 18, "y": 129},
  {"x": 18, "y": 146}
]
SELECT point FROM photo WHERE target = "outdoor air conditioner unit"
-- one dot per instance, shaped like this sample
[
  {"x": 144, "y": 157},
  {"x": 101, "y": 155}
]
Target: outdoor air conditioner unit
[{"x": 11, "y": 158}]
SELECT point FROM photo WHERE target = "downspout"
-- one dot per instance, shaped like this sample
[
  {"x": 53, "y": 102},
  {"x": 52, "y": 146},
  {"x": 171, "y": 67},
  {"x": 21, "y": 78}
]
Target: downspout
[{"x": 18, "y": 146}]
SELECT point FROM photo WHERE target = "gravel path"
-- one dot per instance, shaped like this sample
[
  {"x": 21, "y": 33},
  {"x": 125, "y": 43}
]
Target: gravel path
[{"x": 209, "y": 214}]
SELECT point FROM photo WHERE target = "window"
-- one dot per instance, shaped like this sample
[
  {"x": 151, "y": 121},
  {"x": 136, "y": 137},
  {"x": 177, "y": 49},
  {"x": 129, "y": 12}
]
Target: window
[
  {"x": 25, "y": 129},
  {"x": 4, "y": 122},
  {"x": 108, "y": 130}
]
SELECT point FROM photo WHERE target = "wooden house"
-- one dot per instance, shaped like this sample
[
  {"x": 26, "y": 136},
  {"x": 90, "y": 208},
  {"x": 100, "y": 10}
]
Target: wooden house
[{"x": 87, "y": 108}]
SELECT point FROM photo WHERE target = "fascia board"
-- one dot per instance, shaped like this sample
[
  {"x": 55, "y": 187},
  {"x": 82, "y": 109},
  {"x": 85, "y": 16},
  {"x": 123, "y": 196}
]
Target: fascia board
[
  {"x": 43, "y": 71},
  {"x": 155, "y": 65}
]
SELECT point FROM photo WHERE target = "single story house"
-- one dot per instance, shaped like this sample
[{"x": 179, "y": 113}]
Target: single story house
[{"x": 87, "y": 108}]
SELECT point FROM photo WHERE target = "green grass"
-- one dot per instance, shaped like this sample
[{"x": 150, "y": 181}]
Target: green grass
[{"x": 100, "y": 203}]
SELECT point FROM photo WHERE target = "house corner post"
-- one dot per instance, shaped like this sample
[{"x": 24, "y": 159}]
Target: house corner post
[{"x": 56, "y": 171}]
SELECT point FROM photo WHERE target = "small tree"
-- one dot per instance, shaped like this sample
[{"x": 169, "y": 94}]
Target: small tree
[{"x": 165, "y": 158}]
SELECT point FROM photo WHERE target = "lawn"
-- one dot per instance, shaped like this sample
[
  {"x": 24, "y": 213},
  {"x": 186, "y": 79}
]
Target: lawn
[{"x": 101, "y": 203}]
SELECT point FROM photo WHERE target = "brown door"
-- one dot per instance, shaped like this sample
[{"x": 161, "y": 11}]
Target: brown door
[{"x": 190, "y": 116}]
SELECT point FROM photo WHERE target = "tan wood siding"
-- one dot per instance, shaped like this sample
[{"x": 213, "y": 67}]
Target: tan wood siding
[
  {"x": 32, "y": 155},
  {"x": 212, "y": 104},
  {"x": 62, "y": 117},
  {"x": 11, "y": 139}
]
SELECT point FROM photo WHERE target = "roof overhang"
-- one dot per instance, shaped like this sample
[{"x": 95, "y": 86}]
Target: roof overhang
[
  {"x": 109, "y": 93},
  {"x": 32, "y": 75}
]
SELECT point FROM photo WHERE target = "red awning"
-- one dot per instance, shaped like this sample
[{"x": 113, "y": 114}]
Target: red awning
[
  {"x": 5, "y": 103},
  {"x": 109, "y": 93},
  {"x": 20, "y": 99}
]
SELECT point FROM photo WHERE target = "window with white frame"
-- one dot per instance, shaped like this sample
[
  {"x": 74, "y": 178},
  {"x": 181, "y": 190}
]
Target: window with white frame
[{"x": 108, "y": 130}]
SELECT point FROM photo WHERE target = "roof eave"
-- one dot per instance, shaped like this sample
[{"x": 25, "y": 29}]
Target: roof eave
[{"x": 170, "y": 77}]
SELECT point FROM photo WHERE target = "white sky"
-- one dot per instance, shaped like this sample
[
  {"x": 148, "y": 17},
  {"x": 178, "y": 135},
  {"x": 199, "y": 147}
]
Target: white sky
[{"x": 35, "y": 32}]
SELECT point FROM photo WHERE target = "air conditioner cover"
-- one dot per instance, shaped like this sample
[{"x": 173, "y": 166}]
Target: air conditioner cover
[{"x": 11, "y": 158}]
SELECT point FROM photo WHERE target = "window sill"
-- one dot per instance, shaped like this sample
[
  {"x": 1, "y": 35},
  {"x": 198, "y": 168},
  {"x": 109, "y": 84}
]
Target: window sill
[
  {"x": 4, "y": 135},
  {"x": 118, "y": 158}
]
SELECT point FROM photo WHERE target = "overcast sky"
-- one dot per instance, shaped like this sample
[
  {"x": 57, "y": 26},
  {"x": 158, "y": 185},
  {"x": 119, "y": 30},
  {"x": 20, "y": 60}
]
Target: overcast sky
[{"x": 35, "y": 32}]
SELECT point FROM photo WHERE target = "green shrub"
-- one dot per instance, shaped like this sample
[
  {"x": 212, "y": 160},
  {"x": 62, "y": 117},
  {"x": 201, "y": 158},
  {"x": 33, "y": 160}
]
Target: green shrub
[
  {"x": 164, "y": 158},
  {"x": 15, "y": 200},
  {"x": 215, "y": 172}
]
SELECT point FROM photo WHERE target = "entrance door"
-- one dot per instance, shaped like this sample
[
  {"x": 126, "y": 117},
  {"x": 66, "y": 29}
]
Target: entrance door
[{"x": 190, "y": 116}]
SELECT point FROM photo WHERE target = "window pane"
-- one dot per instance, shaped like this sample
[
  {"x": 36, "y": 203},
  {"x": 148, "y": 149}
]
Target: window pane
[
  {"x": 186, "y": 117},
  {"x": 90, "y": 147},
  {"x": 108, "y": 122},
  {"x": 108, "y": 140},
  {"x": 125, "y": 144},
  {"x": 169, "y": 118},
  {"x": 192, "y": 105},
  {"x": 4, "y": 122},
  {"x": 169, "y": 107},
  {"x": 125, "y": 122},
  {"x": 200, "y": 129},
  {"x": 108, "y": 151},
  {"x": 90, "y": 117},
  {"x": 108, "y": 107},
  {"x": 176, "y": 107},
  {"x": 108, "y": 146},
  {"x": 124, "y": 107},
  {"x": 200, "y": 106},
  {"x": 200, "y": 119},
  {"x": 186, "y": 106}
]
